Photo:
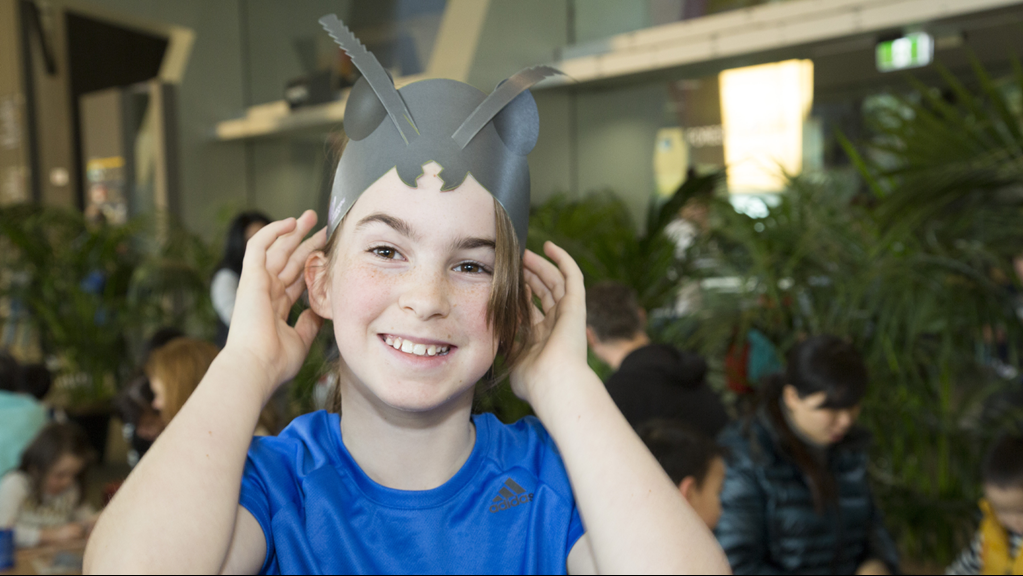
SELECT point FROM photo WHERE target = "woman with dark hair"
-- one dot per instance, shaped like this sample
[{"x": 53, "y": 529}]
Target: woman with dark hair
[
  {"x": 225, "y": 281},
  {"x": 796, "y": 497}
]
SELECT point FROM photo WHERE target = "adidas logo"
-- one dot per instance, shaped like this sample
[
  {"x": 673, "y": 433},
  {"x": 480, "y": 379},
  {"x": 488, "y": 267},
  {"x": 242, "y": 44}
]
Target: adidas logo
[{"x": 511, "y": 495}]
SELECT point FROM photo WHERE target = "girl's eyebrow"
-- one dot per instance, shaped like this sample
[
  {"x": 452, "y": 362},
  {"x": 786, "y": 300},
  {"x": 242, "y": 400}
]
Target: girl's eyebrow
[
  {"x": 405, "y": 229},
  {"x": 472, "y": 243},
  {"x": 400, "y": 226}
]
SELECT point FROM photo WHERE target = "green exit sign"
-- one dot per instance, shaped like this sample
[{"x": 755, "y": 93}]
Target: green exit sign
[{"x": 910, "y": 51}]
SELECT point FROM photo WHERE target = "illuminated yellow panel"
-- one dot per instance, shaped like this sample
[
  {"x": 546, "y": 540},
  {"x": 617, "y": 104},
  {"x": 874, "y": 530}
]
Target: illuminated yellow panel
[
  {"x": 671, "y": 158},
  {"x": 762, "y": 112}
]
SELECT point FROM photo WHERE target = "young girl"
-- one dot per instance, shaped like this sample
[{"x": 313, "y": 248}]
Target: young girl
[
  {"x": 426, "y": 284},
  {"x": 42, "y": 499}
]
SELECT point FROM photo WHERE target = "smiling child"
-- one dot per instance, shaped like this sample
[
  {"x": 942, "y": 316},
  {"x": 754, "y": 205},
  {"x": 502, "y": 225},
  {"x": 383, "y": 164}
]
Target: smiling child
[{"x": 422, "y": 271}]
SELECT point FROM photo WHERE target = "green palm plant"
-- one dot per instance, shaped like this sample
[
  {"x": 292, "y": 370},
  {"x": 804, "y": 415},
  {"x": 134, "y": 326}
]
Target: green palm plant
[
  {"x": 601, "y": 235},
  {"x": 914, "y": 272},
  {"x": 95, "y": 292}
]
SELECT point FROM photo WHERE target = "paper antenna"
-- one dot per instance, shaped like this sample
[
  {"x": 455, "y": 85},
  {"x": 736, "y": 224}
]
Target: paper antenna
[
  {"x": 498, "y": 99},
  {"x": 374, "y": 73}
]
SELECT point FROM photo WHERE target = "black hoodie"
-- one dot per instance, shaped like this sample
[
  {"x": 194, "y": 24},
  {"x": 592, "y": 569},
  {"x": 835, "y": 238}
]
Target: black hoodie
[{"x": 658, "y": 381}]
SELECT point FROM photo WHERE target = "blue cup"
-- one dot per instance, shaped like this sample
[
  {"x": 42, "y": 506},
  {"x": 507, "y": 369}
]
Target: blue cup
[{"x": 6, "y": 549}]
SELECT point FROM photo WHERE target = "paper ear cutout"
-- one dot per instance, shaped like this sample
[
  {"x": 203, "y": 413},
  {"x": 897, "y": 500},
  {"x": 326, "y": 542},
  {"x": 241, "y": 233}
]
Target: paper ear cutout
[
  {"x": 505, "y": 93},
  {"x": 374, "y": 74},
  {"x": 363, "y": 112},
  {"x": 518, "y": 124}
]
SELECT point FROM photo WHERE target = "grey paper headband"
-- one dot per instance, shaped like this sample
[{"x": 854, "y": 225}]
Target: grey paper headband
[{"x": 445, "y": 121}]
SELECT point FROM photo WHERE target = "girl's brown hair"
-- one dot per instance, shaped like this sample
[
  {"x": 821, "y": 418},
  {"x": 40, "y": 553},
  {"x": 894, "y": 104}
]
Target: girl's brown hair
[
  {"x": 180, "y": 366},
  {"x": 508, "y": 309},
  {"x": 54, "y": 441}
]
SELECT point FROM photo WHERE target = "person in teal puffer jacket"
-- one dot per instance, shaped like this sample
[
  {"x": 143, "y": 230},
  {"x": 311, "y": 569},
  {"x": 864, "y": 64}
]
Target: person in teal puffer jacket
[
  {"x": 22, "y": 416},
  {"x": 796, "y": 497}
]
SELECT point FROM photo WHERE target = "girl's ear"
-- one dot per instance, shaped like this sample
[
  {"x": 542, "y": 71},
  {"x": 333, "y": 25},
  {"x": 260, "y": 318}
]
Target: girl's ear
[{"x": 317, "y": 283}]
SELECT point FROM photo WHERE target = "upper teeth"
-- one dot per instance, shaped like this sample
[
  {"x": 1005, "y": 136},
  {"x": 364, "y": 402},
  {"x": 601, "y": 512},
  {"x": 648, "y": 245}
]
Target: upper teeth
[{"x": 409, "y": 347}]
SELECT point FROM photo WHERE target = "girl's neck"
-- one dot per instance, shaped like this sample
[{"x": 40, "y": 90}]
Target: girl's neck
[{"x": 406, "y": 450}]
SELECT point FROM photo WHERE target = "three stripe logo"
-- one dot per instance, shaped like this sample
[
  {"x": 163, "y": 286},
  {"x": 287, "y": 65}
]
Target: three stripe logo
[{"x": 509, "y": 496}]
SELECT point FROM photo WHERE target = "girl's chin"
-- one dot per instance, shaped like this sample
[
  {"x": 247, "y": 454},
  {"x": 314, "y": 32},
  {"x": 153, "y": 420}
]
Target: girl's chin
[
  {"x": 416, "y": 396},
  {"x": 421, "y": 404}
]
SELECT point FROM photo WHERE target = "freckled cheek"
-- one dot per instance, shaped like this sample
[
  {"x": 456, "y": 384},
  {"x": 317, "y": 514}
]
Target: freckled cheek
[
  {"x": 361, "y": 292},
  {"x": 470, "y": 307}
]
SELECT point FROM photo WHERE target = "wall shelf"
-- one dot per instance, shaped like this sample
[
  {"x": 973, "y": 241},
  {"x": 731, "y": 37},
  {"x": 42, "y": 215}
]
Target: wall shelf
[{"x": 277, "y": 117}]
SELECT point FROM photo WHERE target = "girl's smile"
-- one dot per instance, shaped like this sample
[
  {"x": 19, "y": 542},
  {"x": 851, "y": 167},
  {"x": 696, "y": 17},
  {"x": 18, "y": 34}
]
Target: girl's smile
[{"x": 416, "y": 346}]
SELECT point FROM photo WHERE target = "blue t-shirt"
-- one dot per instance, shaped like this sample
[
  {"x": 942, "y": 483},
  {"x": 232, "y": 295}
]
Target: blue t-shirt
[{"x": 509, "y": 509}]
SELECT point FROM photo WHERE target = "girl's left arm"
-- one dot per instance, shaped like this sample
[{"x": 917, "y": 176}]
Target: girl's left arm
[{"x": 636, "y": 519}]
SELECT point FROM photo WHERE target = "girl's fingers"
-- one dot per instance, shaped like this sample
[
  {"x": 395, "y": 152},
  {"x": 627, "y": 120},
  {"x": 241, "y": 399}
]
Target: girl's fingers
[
  {"x": 278, "y": 255},
  {"x": 307, "y": 327},
  {"x": 295, "y": 290},
  {"x": 547, "y": 272},
  {"x": 570, "y": 271},
  {"x": 296, "y": 264},
  {"x": 255, "y": 250},
  {"x": 535, "y": 316},
  {"x": 541, "y": 290}
]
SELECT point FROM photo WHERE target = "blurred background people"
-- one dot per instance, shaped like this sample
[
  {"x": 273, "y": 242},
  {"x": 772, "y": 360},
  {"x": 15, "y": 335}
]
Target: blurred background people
[
  {"x": 996, "y": 547},
  {"x": 174, "y": 372},
  {"x": 694, "y": 462},
  {"x": 142, "y": 422},
  {"x": 796, "y": 497},
  {"x": 22, "y": 415},
  {"x": 42, "y": 499},
  {"x": 224, "y": 285},
  {"x": 650, "y": 380}
]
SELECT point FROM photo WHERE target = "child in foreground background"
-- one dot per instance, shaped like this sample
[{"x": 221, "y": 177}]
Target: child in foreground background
[
  {"x": 422, "y": 271},
  {"x": 42, "y": 499},
  {"x": 694, "y": 462},
  {"x": 996, "y": 547}
]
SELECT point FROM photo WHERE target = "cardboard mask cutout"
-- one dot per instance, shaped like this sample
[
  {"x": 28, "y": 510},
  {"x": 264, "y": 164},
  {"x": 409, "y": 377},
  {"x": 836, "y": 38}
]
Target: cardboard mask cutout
[{"x": 444, "y": 121}]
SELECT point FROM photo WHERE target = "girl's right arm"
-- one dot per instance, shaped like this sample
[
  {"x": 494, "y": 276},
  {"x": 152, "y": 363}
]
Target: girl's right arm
[{"x": 178, "y": 510}]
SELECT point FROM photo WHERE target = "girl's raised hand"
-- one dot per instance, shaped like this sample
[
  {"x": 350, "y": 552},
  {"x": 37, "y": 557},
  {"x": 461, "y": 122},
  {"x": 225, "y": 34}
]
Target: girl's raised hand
[
  {"x": 558, "y": 349},
  {"x": 272, "y": 280}
]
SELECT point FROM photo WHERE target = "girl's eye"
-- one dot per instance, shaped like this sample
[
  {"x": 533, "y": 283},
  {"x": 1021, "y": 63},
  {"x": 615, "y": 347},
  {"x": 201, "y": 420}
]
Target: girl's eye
[
  {"x": 385, "y": 252},
  {"x": 472, "y": 268}
]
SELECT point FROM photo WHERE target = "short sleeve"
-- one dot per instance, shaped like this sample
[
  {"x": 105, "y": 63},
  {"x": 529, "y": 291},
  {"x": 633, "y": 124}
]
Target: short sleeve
[
  {"x": 256, "y": 499},
  {"x": 223, "y": 291},
  {"x": 14, "y": 489}
]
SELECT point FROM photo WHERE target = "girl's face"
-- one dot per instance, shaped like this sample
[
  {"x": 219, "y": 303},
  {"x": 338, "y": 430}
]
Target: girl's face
[
  {"x": 159, "y": 393},
  {"x": 822, "y": 426},
  {"x": 62, "y": 474},
  {"x": 409, "y": 288}
]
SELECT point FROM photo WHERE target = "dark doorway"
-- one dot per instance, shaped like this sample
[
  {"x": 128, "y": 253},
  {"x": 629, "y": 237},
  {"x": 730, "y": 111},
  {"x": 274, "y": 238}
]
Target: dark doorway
[{"x": 105, "y": 55}]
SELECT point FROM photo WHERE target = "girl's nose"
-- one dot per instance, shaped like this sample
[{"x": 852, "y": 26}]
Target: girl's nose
[{"x": 426, "y": 295}]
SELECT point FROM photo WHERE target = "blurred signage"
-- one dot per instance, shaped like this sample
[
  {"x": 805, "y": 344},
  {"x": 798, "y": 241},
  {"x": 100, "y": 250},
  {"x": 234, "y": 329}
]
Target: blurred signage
[
  {"x": 910, "y": 51},
  {"x": 763, "y": 109},
  {"x": 671, "y": 159}
]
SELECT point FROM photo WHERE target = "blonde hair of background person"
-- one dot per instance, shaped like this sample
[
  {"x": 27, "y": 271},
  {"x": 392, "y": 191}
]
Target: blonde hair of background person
[{"x": 174, "y": 372}]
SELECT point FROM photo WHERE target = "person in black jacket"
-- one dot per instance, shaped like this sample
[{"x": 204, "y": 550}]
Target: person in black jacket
[
  {"x": 796, "y": 497},
  {"x": 650, "y": 380}
]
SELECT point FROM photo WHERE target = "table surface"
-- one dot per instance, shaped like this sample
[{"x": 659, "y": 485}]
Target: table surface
[{"x": 36, "y": 560}]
